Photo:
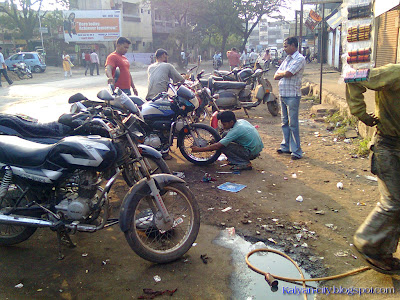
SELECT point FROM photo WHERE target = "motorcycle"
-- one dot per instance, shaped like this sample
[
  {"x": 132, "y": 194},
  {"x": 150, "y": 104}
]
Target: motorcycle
[
  {"x": 58, "y": 186},
  {"x": 52, "y": 132},
  {"x": 217, "y": 63},
  {"x": 235, "y": 89},
  {"x": 22, "y": 70}
]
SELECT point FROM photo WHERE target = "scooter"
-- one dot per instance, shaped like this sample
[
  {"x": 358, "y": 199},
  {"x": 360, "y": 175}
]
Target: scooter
[
  {"x": 238, "y": 94},
  {"x": 22, "y": 70}
]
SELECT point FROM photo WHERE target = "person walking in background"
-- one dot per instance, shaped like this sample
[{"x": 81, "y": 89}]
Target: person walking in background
[
  {"x": 3, "y": 69},
  {"x": 377, "y": 239},
  {"x": 252, "y": 57},
  {"x": 233, "y": 58},
  {"x": 94, "y": 62},
  {"x": 308, "y": 55},
  {"x": 117, "y": 59},
  {"x": 67, "y": 65},
  {"x": 267, "y": 59},
  {"x": 244, "y": 57},
  {"x": 87, "y": 62},
  {"x": 83, "y": 62},
  {"x": 290, "y": 74}
]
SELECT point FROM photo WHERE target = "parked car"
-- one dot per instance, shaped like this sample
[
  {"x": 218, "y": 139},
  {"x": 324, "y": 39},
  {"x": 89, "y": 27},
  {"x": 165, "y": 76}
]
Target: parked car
[{"x": 32, "y": 59}]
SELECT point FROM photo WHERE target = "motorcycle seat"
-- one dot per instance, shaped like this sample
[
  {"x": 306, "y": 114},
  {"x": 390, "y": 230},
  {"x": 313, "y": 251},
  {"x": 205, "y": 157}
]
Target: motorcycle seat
[
  {"x": 225, "y": 85},
  {"x": 16, "y": 151},
  {"x": 16, "y": 125}
]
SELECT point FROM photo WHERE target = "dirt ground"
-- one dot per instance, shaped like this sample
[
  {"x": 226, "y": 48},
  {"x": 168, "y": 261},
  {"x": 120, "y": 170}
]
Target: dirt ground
[{"x": 317, "y": 232}]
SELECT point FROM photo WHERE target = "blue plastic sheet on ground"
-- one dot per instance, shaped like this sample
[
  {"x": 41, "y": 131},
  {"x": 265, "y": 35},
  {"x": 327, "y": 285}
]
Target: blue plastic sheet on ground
[{"x": 231, "y": 187}]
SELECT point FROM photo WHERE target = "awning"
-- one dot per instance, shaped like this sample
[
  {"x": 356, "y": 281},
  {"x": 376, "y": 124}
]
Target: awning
[
  {"x": 335, "y": 20},
  {"x": 384, "y": 6}
]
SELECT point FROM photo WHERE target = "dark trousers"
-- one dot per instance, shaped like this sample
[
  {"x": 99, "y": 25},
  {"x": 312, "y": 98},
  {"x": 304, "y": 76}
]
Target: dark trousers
[
  {"x": 87, "y": 67},
  {"x": 4, "y": 73},
  {"x": 92, "y": 66},
  {"x": 237, "y": 154},
  {"x": 380, "y": 232}
]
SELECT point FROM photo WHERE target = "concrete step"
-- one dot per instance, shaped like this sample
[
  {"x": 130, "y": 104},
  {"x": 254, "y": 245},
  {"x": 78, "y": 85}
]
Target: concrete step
[{"x": 323, "y": 109}]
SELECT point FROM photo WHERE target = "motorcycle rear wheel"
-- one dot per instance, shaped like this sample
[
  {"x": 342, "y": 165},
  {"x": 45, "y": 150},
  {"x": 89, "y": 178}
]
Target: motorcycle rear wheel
[
  {"x": 12, "y": 234},
  {"x": 20, "y": 75},
  {"x": 29, "y": 74},
  {"x": 132, "y": 173},
  {"x": 206, "y": 135},
  {"x": 160, "y": 246}
]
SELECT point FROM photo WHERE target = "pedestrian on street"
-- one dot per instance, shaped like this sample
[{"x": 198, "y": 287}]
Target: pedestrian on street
[
  {"x": 252, "y": 57},
  {"x": 3, "y": 69},
  {"x": 117, "y": 59},
  {"x": 83, "y": 62},
  {"x": 94, "y": 62},
  {"x": 233, "y": 58},
  {"x": 67, "y": 65},
  {"x": 378, "y": 237},
  {"x": 244, "y": 57},
  {"x": 290, "y": 74},
  {"x": 267, "y": 59},
  {"x": 87, "y": 62},
  {"x": 241, "y": 144}
]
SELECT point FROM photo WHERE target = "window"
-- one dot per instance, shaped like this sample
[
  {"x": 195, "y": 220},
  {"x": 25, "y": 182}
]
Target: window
[
  {"x": 16, "y": 57},
  {"x": 28, "y": 56}
]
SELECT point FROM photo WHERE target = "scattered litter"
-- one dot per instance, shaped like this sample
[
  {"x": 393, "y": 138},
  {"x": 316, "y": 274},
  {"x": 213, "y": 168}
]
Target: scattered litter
[
  {"x": 299, "y": 199},
  {"x": 275, "y": 220},
  {"x": 294, "y": 175},
  {"x": 304, "y": 245},
  {"x": 150, "y": 294},
  {"x": 342, "y": 253},
  {"x": 320, "y": 212},
  {"x": 258, "y": 233},
  {"x": 211, "y": 208},
  {"x": 272, "y": 240},
  {"x": 331, "y": 226},
  {"x": 372, "y": 178},
  {"x": 19, "y": 286},
  {"x": 226, "y": 209},
  {"x": 39, "y": 290},
  {"x": 268, "y": 228},
  {"x": 335, "y": 140},
  {"x": 347, "y": 141},
  {"x": 179, "y": 174},
  {"x": 256, "y": 126},
  {"x": 285, "y": 178},
  {"x": 228, "y": 172},
  {"x": 204, "y": 258},
  {"x": 298, "y": 236},
  {"x": 84, "y": 254},
  {"x": 194, "y": 244},
  {"x": 207, "y": 178},
  {"x": 246, "y": 221},
  {"x": 87, "y": 271},
  {"x": 186, "y": 260},
  {"x": 222, "y": 157},
  {"x": 316, "y": 133},
  {"x": 231, "y": 231},
  {"x": 339, "y": 185},
  {"x": 231, "y": 187},
  {"x": 361, "y": 204},
  {"x": 258, "y": 191}
]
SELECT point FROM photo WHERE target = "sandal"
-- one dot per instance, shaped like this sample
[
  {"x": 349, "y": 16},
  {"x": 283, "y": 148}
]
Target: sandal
[
  {"x": 241, "y": 167},
  {"x": 386, "y": 265}
]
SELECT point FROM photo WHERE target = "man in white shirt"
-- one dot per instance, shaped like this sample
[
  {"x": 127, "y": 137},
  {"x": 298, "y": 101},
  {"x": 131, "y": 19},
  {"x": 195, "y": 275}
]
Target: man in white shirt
[
  {"x": 3, "y": 69},
  {"x": 94, "y": 62},
  {"x": 253, "y": 57}
]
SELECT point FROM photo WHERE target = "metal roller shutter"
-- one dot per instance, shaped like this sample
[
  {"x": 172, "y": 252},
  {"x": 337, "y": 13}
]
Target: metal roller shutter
[{"x": 388, "y": 29}]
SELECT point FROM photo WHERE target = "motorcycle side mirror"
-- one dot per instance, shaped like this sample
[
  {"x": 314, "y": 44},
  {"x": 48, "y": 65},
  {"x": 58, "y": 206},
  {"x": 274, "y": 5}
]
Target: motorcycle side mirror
[
  {"x": 105, "y": 95},
  {"x": 76, "y": 98}
]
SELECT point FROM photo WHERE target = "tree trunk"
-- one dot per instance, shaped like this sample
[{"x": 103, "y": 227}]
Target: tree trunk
[{"x": 223, "y": 45}]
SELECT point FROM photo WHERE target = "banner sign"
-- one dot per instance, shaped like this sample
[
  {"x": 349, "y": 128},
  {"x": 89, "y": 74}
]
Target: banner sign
[
  {"x": 313, "y": 20},
  {"x": 91, "y": 25}
]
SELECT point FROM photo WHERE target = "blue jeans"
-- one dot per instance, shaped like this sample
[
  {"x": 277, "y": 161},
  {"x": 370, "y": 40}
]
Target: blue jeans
[{"x": 290, "y": 125}]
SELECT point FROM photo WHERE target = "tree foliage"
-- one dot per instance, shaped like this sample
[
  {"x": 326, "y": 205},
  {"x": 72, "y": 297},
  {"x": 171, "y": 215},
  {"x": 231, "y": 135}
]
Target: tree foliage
[{"x": 23, "y": 15}]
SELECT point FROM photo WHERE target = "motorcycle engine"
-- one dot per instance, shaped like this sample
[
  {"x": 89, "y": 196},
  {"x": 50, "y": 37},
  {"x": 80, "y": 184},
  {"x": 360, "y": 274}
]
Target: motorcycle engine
[
  {"x": 78, "y": 195},
  {"x": 245, "y": 94},
  {"x": 74, "y": 209},
  {"x": 153, "y": 140}
]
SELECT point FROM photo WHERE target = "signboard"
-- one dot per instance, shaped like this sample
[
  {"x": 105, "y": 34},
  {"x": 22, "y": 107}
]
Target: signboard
[
  {"x": 321, "y": 1},
  {"x": 91, "y": 25},
  {"x": 335, "y": 20},
  {"x": 313, "y": 20}
]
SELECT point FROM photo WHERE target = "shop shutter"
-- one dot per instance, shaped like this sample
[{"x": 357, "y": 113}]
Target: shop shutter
[{"x": 386, "y": 46}]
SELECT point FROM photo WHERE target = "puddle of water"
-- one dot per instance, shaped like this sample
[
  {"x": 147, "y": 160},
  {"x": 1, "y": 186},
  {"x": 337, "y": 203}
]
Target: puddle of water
[{"x": 249, "y": 285}]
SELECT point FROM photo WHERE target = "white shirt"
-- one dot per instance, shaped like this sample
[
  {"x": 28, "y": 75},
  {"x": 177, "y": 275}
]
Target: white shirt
[
  {"x": 290, "y": 87},
  {"x": 2, "y": 62},
  {"x": 253, "y": 57},
  {"x": 94, "y": 58}
]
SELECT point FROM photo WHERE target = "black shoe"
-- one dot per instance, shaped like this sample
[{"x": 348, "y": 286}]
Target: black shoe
[
  {"x": 280, "y": 151},
  {"x": 295, "y": 157}
]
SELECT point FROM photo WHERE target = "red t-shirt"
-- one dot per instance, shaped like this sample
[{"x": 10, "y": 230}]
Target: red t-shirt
[
  {"x": 117, "y": 60},
  {"x": 233, "y": 58},
  {"x": 87, "y": 57}
]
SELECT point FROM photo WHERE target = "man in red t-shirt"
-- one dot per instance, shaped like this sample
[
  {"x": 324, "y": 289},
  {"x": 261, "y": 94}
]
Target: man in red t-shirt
[
  {"x": 117, "y": 59},
  {"x": 233, "y": 58}
]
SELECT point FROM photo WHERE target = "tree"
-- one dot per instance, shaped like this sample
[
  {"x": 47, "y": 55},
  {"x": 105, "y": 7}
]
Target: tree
[
  {"x": 23, "y": 15},
  {"x": 251, "y": 12}
]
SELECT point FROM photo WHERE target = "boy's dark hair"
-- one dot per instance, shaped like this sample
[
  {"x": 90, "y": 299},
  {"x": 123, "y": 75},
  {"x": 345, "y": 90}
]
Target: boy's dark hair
[
  {"x": 234, "y": 49},
  {"x": 122, "y": 40},
  {"x": 160, "y": 52},
  {"x": 292, "y": 41},
  {"x": 226, "y": 116}
]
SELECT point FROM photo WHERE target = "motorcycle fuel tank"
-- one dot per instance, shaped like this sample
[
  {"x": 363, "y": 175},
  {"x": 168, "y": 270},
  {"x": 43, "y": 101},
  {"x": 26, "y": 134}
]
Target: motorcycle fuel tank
[
  {"x": 84, "y": 152},
  {"x": 157, "y": 109},
  {"x": 227, "y": 99}
]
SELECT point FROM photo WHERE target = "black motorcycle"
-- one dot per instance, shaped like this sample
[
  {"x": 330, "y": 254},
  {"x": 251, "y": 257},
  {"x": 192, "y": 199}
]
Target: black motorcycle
[
  {"x": 59, "y": 186},
  {"x": 22, "y": 70}
]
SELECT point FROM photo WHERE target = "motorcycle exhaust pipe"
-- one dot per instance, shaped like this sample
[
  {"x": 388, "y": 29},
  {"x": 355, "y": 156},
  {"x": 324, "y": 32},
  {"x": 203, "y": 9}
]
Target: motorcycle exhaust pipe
[{"x": 35, "y": 222}]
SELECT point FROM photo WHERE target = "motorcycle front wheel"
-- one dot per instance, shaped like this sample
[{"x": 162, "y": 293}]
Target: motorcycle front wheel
[
  {"x": 146, "y": 235},
  {"x": 200, "y": 135},
  {"x": 273, "y": 107},
  {"x": 133, "y": 172},
  {"x": 13, "y": 234},
  {"x": 29, "y": 74}
]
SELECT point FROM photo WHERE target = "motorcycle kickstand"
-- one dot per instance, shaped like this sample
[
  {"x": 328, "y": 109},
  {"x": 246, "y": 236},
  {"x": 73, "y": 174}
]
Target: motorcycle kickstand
[
  {"x": 63, "y": 238},
  {"x": 245, "y": 111}
]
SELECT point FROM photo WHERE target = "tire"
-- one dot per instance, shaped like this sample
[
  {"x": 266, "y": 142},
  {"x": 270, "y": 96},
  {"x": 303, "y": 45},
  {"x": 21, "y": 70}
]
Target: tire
[
  {"x": 132, "y": 172},
  {"x": 29, "y": 74},
  {"x": 37, "y": 69},
  {"x": 208, "y": 136},
  {"x": 12, "y": 234},
  {"x": 20, "y": 75},
  {"x": 273, "y": 108},
  {"x": 147, "y": 241}
]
